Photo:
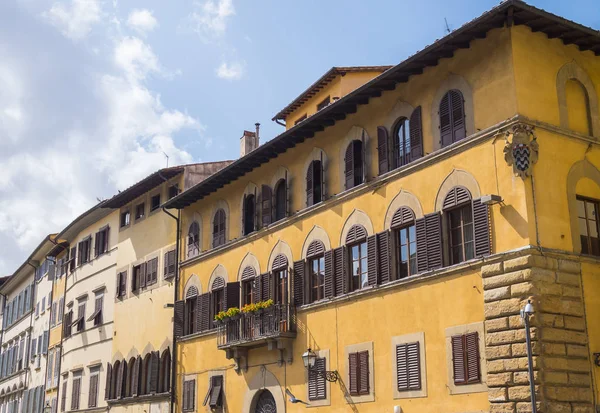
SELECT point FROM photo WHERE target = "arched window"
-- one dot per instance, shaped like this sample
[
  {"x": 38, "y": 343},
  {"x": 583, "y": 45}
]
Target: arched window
[
  {"x": 164, "y": 378},
  {"x": 219, "y": 228},
  {"x": 266, "y": 196},
  {"x": 193, "y": 240},
  {"x": 354, "y": 164},
  {"x": 249, "y": 214},
  {"x": 356, "y": 242},
  {"x": 459, "y": 212},
  {"x": 407, "y": 140},
  {"x": 280, "y": 199},
  {"x": 316, "y": 269},
  {"x": 217, "y": 297},
  {"x": 405, "y": 242},
  {"x": 115, "y": 380},
  {"x": 130, "y": 377},
  {"x": 135, "y": 374},
  {"x": 121, "y": 385},
  {"x": 190, "y": 316},
  {"x": 578, "y": 105},
  {"x": 248, "y": 280},
  {"x": 452, "y": 117},
  {"x": 587, "y": 216},
  {"x": 280, "y": 278},
  {"x": 145, "y": 379},
  {"x": 314, "y": 183}
]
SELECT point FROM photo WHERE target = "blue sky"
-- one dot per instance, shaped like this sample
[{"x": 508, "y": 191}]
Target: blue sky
[{"x": 92, "y": 92}]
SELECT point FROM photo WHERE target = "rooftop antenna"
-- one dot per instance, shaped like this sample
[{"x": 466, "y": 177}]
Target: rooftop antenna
[
  {"x": 447, "y": 27},
  {"x": 166, "y": 156}
]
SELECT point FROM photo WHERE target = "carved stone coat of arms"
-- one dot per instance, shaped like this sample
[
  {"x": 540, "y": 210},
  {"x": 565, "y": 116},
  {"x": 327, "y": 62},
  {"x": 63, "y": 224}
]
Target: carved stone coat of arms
[{"x": 522, "y": 151}]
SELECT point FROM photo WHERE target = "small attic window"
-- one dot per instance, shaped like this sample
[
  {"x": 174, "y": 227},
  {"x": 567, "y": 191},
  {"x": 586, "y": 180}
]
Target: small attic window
[
  {"x": 300, "y": 119},
  {"x": 324, "y": 103}
]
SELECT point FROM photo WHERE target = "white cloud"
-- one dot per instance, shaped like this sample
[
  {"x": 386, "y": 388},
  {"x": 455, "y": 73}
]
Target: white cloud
[
  {"x": 142, "y": 20},
  {"x": 75, "y": 21},
  {"x": 231, "y": 71},
  {"x": 210, "y": 18},
  {"x": 135, "y": 58},
  {"x": 12, "y": 116}
]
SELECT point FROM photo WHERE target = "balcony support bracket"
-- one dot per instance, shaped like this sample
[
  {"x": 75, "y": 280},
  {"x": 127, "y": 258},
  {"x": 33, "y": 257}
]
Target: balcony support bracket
[{"x": 240, "y": 356}]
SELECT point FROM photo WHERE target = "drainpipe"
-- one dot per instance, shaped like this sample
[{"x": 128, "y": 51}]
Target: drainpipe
[
  {"x": 33, "y": 298},
  {"x": 279, "y": 123},
  {"x": 174, "y": 356}
]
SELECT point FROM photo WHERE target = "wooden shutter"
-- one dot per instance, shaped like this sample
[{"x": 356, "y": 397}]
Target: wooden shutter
[
  {"x": 63, "y": 397},
  {"x": 256, "y": 211},
  {"x": 265, "y": 287},
  {"x": 299, "y": 274},
  {"x": 429, "y": 242},
  {"x": 266, "y": 207},
  {"x": 383, "y": 144},
  {"x": 339, "y": 269},
  {"x": 310, "y": 184},
  {"x": 403, "y": 216},
  {"x": 169, "y": 263},
  {"x": 458, "y": 359},
  {"x": 135, "y": 376},
  {"x": 372, "y": 267},
  {"x": 363, "y": 156},
  {"x": 473, "y": 370},
  {"x": 143, "y": 271},
  {"x": 120, "y": 378},
  {"x": 93, "y": 396},
  {"x": 349, "y": 165},
  {"x": 383, "y": 256},
  {"x": 288, "y": 196},
  {"x": 154, "y": 365},
  {"x": 416, "y": 134},
  {"x": 316, "y": 248},
  {"x": 25, "y": 400},
  {"x": 178, "y": 311},
  {"x": 75, "y": 393},
  {"x": 323, "y": 180},
  {"x": 481, "y": 228},
  {"x": 353, "y": 373},
  {"x": 408, "y": 366},
  {"x": 445, "y": 121},
  {"x": 363, "y": 376},
  {"x": 232, "y": 295},
  {"x": 458, "y": 195},
  {"x": 204, "y": 321},
  {"x": 356, "y": 233},
  {"x": 317, "y": 389},
  {"x": 458, "y": 115},
  {"x": 329, "y": 288}
]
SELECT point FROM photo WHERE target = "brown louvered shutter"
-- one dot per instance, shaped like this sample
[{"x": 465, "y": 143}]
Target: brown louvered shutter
[
  {"x": 310, "y": 184},
  {"x": 232, "y": 295},
  {"x": 329, "y": 288},
  {"x": 383, "y": 149},
  {"x": 456, "y": 196},
  {"x": 299, "y": 273},
  {"x": 154, "y": 372},
  {"x": 315, "y": 248},
  {"x": 97, "y": 244},
  {"x": 349, "y": 165},
  {"x": 120, "y": 377},
  {"x": 123, "y": 283},
  {"x": 445, "y": 121},
  {"x": 481, "y": 228},
  {"x": 317, "y": 389},
  {"x": 416, "y": 134},
  {"x": 63, "y": 397},
  {"x": 429, "y": 242},
  {"x": 75, "y": 393},
  {"x": 353, "y": 373},
  {"x": 266, "y": 207},
  {"x": 458, "y": 115},
  {"x": 340, "y": 271},
  {"x": 383, "y": 256},
  {"x": 135, "y": 380},
  {"x": 265, "y": 287},
  {"x": 363, "y": 367},
  {"x": 355, "y": 234},
  {"x": 403, "y": 216},
  {"x": 107, "y": 395},
  {"x": 93, "y": 396},
  {"x": 72, "y": 257},
  {"x": 178, "y": 311},
  {"x": 142, "y": 277},
  {"x": 458, "y": 359},
  {"x": 372, "y": 267},
  {"x": 408, "y": 365},
  {"x": 203, "y": 316},
  {"x": 473, "y": 371}
]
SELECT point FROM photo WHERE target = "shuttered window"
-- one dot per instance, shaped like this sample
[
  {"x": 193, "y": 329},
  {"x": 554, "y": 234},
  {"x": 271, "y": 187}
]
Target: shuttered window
[
  {"x": 452, "y": 118},
  {"x": 408, "y": 366},
  {"x": 152, "y": 271},
  {"x": 314, "y": 183},
  {"x": 169, "y": 269},
  {"x": 354, "y": 164},
  {"x": 317, "y": 385},
  {"x": 317, "y": 278},
  {"x": 406, "y": 251},
  {"x": 190, "y": 316},
  {"x": 266, "y": 196},
  {"x": 587, "y": 216},
  {"x": 280, "y": 206},
  {"x": 358, "y": 366},
  {"x": 63, "y": 396},
  {"x": 93, "y": 392},
  {"x": 214, "y": 396},
  {"x": 218, "y": 301},
  {"x": 101, "y": 241},
  {"x": 249, "y": 214},
  {"x": 75, "y": 393},
  {"x": 248, "y": 281},
  {"x": 358, "y": 266},
  {"x": 121, "y": 284},
  {"x": 280, "y": 278},
  {"x": 73, "y": 259},
  {"x": 98, "y": 306},
  {"x": 383, "y": 149},
  {"x": 219, "y": 228},
  {"x": 460, "y": 230},
  {"x": 193, "y": 240},
  {"x": 465, "y": 359},
  {"x": 189, "y": 395}
]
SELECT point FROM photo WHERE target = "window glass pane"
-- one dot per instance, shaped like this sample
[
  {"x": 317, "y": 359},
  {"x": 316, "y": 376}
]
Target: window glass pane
[
  {"x": 454, "y": 219},
  {"x": 584, "y": 245},
  {"x": 591, "y": 210},
  {"x": 363, "y": 265},
  {"x": 469, "y": 250},
  {"x": 468, "y": 232},
  {"x": 456, "y": 236},
  {"x": 412, "y": 232},
  {"x": 456, "y": 255},
  {"x": 595, "y": 246},
  {"x": 355, "y": 268},
  {"x": 593, "y": 229},
  {"x": 403, "y": 234},
  {"x": 580, "y": 208},
  {"x": 404, "y": 253},
  {"x": 355, "y": 252},
  {"x": 363, "y": 249},
  {"x": 583, "y": 227},
  {"x": 364, "y": 280}
]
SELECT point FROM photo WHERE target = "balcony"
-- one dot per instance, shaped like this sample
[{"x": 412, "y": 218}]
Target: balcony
[{"x": 274, "y": 327}]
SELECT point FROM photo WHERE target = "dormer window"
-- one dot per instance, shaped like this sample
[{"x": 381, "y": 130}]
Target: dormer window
[{"x": 324, "y": 103}]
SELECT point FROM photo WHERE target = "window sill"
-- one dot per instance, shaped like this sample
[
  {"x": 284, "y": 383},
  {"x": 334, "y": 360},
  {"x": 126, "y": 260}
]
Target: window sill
[
  {"x": 190, "y": 337},
  {"x": 139, "y": 399}
]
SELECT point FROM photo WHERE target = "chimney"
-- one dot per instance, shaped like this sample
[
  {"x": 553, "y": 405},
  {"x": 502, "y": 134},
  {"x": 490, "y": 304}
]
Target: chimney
[{"x": 249, "y": 141}]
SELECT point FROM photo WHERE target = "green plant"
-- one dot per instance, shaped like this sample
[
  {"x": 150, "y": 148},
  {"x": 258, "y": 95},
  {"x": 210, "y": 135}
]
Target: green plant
[
  {"x": 220, "y": 316},
  {"x": 249, "y": 308},
  {"x": 233, "y": 311}
]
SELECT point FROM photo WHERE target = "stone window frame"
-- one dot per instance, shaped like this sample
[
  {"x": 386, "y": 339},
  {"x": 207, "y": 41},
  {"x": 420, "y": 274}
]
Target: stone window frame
[
  {"x": 220, "y": 204},
  {"x": 572, "y": 71},
  {"x": 317, "y": 233},
  {"x": 185, "y": 378},
  {"x": 354, "y": 348},
  {"x": 465, "y": 329},
  {"x": 404, "y": 339},
  {"x": 327, "y": 400},
  {"x": 578, "y": 171},
  {"x": 356, "y": 217}
]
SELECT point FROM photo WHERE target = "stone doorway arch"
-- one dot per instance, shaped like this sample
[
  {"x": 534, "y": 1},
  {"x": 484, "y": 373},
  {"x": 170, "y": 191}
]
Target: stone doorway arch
[{"x": 265, "y": 403}]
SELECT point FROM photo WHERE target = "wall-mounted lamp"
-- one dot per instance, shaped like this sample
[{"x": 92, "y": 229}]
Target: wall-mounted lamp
[
  {"x": 491, "y": 199},
  {"x": 47, "y": 408},
  {"x": 309, "y": 358}
]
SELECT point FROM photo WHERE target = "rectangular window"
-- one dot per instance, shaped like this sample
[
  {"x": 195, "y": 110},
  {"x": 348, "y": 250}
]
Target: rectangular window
[
  {"x": 247, "y": 291},
  {"x": 358, "y": 365},
  {"x": 189, "y": 395},
  {"x": 43, "y": 306},
  {"x": 460, "y": 226},
  {"x": 80, "y": 322},
  {"x": 136, "y": 277},
  {"x": 281, "y": 289},
  {"x": 190, "y": 316},
  {"x": 152, "y": 271},
  {"x": 173, "y": 191},
  {"x": 218, "y": 302},
  {"x": 406, "y": 251},
  {"x": 324, "y": 103},
  {"x": 96, "y": 316},
  {"x": 121, "y": 284},
  {"x": 408, "y": 366},
  {"x": 53, "y": 314},
  {"x": 61, "y": 309},
  {"x": 125, "y": 218},
  {"x": 358, "y": 266},
  {"x": 84, "y": 250},
  {"x": 155, "y": 202},
  {"x": 587, "y": 215},
  {"x": 72, "y": 259},
  {"x": 76, "y": 391},
  {"x": 169, "y": 264},
  {"x": 49, "y": 367},
  {"x": 214, "y": 396},
  {"x": 465, "y": 359},
  {"x": 67, "y": 323},
  {"x": 93, "y": 392},
  {"x": 317, "y": 278},
  {"x": 317, "y": 389},
  {"x": 140, "y": 211},
  {"x": 63, "y": 396},
  {"x": 56, "y": 367},
  {"x": 300, "y": 119},
  {"x": 101, "y": 241}
]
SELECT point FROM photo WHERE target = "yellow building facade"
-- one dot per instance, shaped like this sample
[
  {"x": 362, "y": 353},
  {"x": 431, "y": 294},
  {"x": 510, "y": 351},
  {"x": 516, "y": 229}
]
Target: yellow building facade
[{"x": 396, "y": 234}]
